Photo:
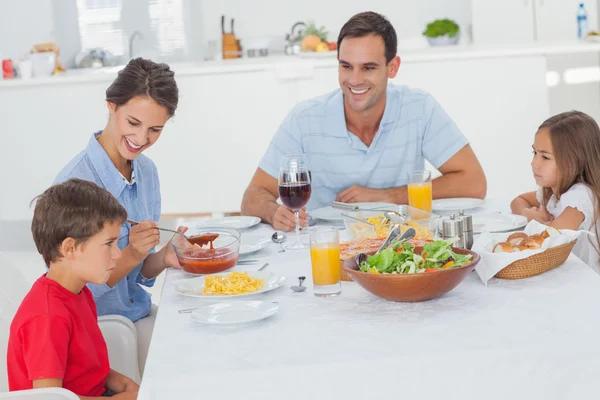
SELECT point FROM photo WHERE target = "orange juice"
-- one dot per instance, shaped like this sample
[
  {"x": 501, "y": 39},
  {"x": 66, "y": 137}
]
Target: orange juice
[
  {"x": 325, "y": 264},
  {"x": 419, "y": 195}
]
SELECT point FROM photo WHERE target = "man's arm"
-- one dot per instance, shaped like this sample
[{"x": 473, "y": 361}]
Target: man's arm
[
  {"x": 462, "y": 177},
  {"x": 260, "y": 200}
]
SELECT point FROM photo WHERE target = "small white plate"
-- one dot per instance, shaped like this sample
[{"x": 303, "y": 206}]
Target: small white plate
[
  {"x": 234, "y": 313},
  {"x": 334, "y": 214},
  {"x": 497, "y": 222},
  {"x": 456, "y": 204},
  {"x": 193, "y": 287},
  {"x": 251, "y": 245},
  {"x": 242, "y": 222}
]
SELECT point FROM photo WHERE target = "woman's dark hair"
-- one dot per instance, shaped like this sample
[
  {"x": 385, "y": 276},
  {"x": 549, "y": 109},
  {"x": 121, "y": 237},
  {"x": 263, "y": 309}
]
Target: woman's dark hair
[
  {"x": 370, "y": 23},
  {"x": 145, "y": 78}
]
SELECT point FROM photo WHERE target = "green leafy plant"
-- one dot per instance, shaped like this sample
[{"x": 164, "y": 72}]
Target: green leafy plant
[
  {"x": 311, "y": 29},
  {"x": 441, "y": 27}
]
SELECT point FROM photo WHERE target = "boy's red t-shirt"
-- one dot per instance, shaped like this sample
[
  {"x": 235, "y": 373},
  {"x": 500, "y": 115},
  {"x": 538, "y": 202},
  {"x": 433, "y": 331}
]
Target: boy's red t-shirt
[{"x": 55, "y": 335}]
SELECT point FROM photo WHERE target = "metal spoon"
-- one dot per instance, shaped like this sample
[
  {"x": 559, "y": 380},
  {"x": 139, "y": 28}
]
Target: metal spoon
[
  {"x": 409, "y": 234},
  {"x": 133, "y": 223},
  {"x": 279, "y": 237},
  {"x": 299, "y": 288}
]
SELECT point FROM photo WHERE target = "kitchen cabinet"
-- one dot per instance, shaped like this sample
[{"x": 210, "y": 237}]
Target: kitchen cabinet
[
  {"x": 522, "y": 21},
  {"x": 228, "y": 113}
]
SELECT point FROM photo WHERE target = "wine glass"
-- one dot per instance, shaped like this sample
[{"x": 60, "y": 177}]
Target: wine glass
[
  {"x": 299, "y": 159},
  {"x": 294, "y": 192}
]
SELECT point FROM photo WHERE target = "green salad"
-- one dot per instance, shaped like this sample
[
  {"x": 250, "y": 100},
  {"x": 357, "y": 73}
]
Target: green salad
[{"x": 400, "y": 258}]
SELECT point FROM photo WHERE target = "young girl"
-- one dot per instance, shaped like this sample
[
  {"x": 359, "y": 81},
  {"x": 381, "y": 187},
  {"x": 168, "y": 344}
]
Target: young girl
[
  {"x": 140, "y": 102},
  {"x": 566, "y": 168}
]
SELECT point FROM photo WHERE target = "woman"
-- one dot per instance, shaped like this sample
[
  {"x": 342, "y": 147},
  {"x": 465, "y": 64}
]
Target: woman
[{"x": 140, "y": 101}]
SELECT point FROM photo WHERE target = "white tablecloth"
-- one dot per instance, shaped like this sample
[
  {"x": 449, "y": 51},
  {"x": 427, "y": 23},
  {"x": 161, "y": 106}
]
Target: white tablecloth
[{"x": 528, "y": 339}]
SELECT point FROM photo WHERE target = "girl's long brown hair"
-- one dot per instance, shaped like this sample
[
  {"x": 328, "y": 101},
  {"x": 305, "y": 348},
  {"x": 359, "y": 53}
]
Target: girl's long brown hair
[{"x": 575, "y": 140}]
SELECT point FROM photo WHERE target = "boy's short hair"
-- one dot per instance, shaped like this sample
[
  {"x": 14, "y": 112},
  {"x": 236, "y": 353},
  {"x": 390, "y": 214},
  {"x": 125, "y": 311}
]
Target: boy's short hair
[{"x": 77, "y": 209}]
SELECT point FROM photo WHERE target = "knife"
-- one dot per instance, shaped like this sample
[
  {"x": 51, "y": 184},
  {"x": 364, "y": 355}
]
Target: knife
[{"x": 344, "y": 206}]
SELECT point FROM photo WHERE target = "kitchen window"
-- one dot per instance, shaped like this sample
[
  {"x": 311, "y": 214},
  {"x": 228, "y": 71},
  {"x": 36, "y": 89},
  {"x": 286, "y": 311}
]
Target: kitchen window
[{"x": 102, "y": 25}]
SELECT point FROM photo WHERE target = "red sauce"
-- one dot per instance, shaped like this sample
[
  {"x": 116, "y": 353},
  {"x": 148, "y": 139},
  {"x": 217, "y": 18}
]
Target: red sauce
[
  {"x": 201, "y": 240},
  {"x": 207, "y": 260}
]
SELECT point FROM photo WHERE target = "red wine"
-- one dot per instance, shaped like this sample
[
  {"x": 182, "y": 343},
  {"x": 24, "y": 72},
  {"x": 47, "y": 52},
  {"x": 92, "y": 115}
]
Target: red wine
[{"x": 294, "y": 195}]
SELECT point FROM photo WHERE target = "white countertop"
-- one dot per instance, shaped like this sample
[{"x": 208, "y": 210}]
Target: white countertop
[{"x": 320, "y": 60}]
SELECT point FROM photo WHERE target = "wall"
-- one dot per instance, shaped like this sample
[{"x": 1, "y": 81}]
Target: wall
[
  {"x": 26, "y": 22},
  {"x": 409, "y": 17},
  {"x": 42, "y": 20}
]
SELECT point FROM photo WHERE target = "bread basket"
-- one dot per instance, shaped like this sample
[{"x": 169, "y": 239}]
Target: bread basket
[{"x": 538, "y": 263}]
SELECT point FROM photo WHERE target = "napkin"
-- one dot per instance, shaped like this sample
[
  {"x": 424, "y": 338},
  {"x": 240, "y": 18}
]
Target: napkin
[{"x": 492, "y": 263}]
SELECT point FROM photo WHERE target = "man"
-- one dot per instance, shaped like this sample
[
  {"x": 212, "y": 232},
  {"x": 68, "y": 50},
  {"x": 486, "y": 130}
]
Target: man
[{"x": 363, "y": 140}]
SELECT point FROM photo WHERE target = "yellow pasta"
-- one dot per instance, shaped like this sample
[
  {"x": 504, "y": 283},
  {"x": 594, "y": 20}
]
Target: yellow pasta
[{"x": 233, "y": 283}]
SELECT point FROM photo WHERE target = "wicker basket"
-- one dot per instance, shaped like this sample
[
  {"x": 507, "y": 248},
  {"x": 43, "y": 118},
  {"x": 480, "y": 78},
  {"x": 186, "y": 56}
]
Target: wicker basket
[{"x": 538, "y": 263}]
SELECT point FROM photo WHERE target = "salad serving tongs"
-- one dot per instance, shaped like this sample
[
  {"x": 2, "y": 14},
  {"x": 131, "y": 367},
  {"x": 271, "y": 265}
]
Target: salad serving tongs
[{"x": 393, "y": 236}]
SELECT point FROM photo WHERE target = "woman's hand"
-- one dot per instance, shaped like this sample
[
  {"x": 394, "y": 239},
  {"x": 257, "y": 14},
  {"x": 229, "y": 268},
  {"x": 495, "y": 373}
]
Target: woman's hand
[{"x": 169, "y": 256}]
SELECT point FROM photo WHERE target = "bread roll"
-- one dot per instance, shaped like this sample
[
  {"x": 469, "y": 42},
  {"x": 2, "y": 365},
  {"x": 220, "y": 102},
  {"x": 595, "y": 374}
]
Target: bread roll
[
  {"x": 516, "y": 238},
  {"x": 503, "y": 247},
  {"x": 533, "y": 242},
  {"x": 520, "y": 248},
  {"x": 552, "y": 232}
]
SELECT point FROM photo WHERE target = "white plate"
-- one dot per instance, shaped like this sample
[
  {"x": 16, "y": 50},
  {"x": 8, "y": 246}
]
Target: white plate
[
  {"x": 334, "y": 214},
  {"x": 456, "y": 204},
  {"x": 497, "y": 222},
  {"x": 234, "y": 313},
  {"x": 250, "y": 244},
  {"x": 193, "y": 287},
  {"x": 241, "y": 222}
]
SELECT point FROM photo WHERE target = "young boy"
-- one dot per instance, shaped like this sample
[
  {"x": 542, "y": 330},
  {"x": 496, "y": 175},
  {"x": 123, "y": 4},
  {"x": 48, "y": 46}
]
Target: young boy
[{"x": 54, "y": 339}]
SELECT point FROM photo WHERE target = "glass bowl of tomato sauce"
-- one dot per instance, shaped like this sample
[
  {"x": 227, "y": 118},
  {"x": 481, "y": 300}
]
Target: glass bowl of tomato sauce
[{"x": 207, "y": 249}]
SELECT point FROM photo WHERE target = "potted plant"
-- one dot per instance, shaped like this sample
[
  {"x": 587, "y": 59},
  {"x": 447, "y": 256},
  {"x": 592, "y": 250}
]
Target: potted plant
[{"x": 442, "y": 32}]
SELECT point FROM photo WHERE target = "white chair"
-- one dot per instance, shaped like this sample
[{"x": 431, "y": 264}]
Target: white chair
[
  {"x": 41, "y": 394},
  {"x": 119, "y": 334}
]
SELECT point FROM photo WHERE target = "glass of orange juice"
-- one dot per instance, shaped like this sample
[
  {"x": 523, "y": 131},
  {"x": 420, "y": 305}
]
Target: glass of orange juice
[
  {"x": 325, "y": 260},
  {"x": 419, "y": 190}
]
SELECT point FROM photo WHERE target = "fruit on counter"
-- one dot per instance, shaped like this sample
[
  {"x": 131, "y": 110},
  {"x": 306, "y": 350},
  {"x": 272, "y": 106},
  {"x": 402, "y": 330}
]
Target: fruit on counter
[
  {"x": 310, "y": 43},
  {"x": 311, "y": 29},
  {"x": 322, "y": 47},
  {"x": 315, "y": 39},
  {"x": 332, "y": 45}
]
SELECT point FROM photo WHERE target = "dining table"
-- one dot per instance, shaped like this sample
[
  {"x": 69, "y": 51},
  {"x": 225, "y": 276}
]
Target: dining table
[{"x": 535, "y": 338}]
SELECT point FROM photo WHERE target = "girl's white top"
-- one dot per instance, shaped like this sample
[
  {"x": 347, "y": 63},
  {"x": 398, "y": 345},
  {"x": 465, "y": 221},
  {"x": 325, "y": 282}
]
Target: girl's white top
[{"x": 581, "y": 197}]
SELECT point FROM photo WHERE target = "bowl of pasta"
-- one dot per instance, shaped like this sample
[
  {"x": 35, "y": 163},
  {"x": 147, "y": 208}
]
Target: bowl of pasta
[
  {"x": 207, "y": 249},
  {"x": 367, "y": 224}
]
